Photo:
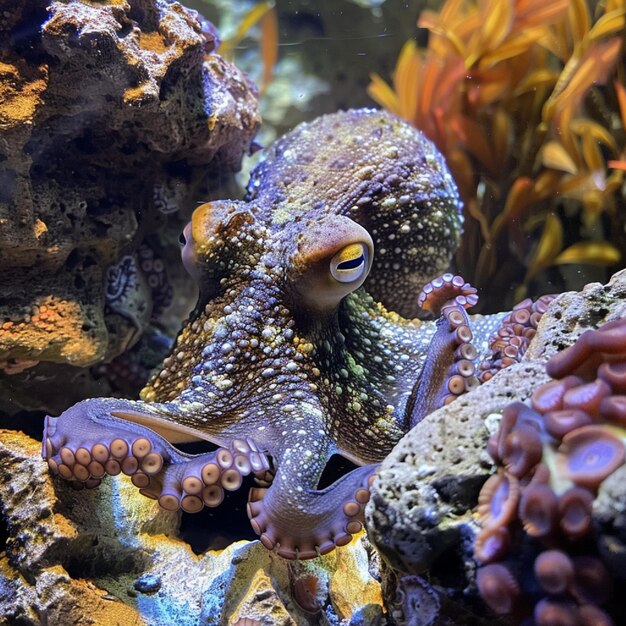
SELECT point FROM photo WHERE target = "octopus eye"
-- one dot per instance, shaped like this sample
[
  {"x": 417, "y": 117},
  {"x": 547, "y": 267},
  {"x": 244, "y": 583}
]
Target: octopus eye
[
  {"x": 349, "y": 263},
  {"x": 182, "y": 240}
]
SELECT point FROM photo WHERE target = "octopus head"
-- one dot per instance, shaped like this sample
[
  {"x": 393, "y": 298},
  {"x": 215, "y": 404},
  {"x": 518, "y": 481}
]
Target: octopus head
[{"x": 314, "y": 266}]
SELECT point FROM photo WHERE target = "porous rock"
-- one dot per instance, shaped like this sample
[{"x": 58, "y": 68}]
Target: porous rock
[
  {"x": 422, "y": 513},
  {"x": 113, "y": 115}
]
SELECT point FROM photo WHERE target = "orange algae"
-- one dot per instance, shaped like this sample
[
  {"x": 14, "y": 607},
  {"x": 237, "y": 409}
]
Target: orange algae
[
  {"x": 525, "y": 99},
  {"x": 153, "y": 41}
]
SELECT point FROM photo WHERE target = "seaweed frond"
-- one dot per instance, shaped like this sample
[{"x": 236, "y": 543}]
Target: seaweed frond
[
  {"x": 526, "y": 100},
  {"x": 262, "y": 15}
]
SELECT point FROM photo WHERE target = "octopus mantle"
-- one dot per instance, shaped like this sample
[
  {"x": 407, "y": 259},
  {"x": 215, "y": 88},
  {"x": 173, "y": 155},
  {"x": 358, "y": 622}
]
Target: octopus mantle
[{"x": 304, "y": 342}]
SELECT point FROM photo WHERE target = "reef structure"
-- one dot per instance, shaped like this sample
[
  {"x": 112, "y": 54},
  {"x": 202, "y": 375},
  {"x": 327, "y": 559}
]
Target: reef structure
[
  {"x": 553, "y": 456},
  {"x": 114, "y": 117}
]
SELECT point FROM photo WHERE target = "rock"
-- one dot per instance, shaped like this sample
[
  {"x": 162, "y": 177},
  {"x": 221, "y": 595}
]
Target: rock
[
  {"x": 147, "y": 583},
  {"x": 422, "y": 513},
  {"x": 114, "y": 116},
  {"x": 86, "y": 558}
]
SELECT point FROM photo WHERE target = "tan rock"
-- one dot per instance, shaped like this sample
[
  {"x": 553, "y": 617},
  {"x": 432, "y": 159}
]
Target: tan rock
[{"x": 112, "y": 114}]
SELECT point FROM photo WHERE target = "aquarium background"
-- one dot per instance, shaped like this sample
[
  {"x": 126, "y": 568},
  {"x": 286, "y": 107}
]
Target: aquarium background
[
  {"x": 107, "y": 145},
  {"x": 526, "y": 102}
]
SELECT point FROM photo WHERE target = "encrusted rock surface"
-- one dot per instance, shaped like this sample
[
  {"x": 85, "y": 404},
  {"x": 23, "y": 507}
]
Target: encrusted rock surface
[
  {"x": 422, "y": 513},
  {"x": 111, "y": 556},
  {"x": 113, "y": 116}
]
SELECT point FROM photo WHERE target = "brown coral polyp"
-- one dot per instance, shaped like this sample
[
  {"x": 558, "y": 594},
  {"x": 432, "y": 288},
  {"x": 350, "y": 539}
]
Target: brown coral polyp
[
  {"x": 591, "y": 454},
  {"x": 592, "y": 581},
  {"x": 615, "y": 375},
  {"x": 591, "y": 615},
  {"x": 575, "y": 512},
  {"x": 498, "y": 500},
  {"x": 554, "y": 571},
  {"x": 587, "y": 397},
  {"x": 614, "y": 409},
  {"x": 522, "y": 450},
  {"x": 516, "y": 416},
  {"x": 568, "y": 361},
  {"x": 590, "y": 350},
  {"x": 498, "y": 587},
  {"x": 492, "y": 544},
  {"x": 559, "y": 423},
  {"x": 538, "y": 510},
  {"x": 549, "y": 397},
  {"x": 550, "y": 612},
  {"x": 610, "y": 338}
]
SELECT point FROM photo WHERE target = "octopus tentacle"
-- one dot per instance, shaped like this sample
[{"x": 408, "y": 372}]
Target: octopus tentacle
[
  {"x": 201, "y": 480},
  {"x": 511, "y": 340},
  {"x": 443, "y": 289},
  {"x": 90, "y": 442},
  {"x": 449, "y": 371},
  {"x": 304, "y": 523}
]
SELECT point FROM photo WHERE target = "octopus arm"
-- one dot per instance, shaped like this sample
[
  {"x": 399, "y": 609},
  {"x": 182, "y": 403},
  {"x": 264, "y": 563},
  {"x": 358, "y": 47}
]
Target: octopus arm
[
  {"x": 292, "y": 515},
  {"x": 102, "y": 419},
  {"x": 302, "y": 523},
  {"x": 449, "y": 369},
  {"x": 174, "y": 432},
  {"x": 107, "y": 436}
]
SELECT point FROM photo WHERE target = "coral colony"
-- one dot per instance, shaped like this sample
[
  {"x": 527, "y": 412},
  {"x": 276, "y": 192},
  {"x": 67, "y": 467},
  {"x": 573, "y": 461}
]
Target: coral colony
[{"x": 552, "y": 457}]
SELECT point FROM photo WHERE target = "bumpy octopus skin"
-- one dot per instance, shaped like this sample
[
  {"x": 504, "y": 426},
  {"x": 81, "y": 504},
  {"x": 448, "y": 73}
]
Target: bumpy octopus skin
[{"x": 303, "y": 343}]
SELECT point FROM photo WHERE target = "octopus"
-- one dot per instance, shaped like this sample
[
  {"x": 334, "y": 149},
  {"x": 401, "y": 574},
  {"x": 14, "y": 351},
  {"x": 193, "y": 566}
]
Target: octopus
[{"x": 309, "y": 338}]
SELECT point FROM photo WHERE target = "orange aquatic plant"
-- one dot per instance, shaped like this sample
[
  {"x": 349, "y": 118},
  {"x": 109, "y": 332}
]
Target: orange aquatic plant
[
  {"x": 265, "y": 17},
  {"x": 525, "y": 98}
]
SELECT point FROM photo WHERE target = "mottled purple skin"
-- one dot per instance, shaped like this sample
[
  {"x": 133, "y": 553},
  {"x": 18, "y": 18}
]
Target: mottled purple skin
[{"x": 279, "y": 351}]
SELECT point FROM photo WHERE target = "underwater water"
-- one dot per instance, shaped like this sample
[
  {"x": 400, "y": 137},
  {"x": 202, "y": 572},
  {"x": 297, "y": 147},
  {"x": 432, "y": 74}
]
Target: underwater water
[{"x": 282, "y": 338}]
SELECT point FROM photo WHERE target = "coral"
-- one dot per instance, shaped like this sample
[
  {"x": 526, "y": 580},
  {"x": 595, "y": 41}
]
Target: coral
[
  {"x": 553, "y": 458},
  {"x": 520, "y": 98}
]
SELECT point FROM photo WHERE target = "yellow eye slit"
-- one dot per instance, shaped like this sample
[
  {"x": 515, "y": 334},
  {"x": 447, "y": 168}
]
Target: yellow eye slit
[
  {"x": 349, "y": 253},
  {"x": 351, "y": 264},
  {"x": 348, "y": 265}
]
